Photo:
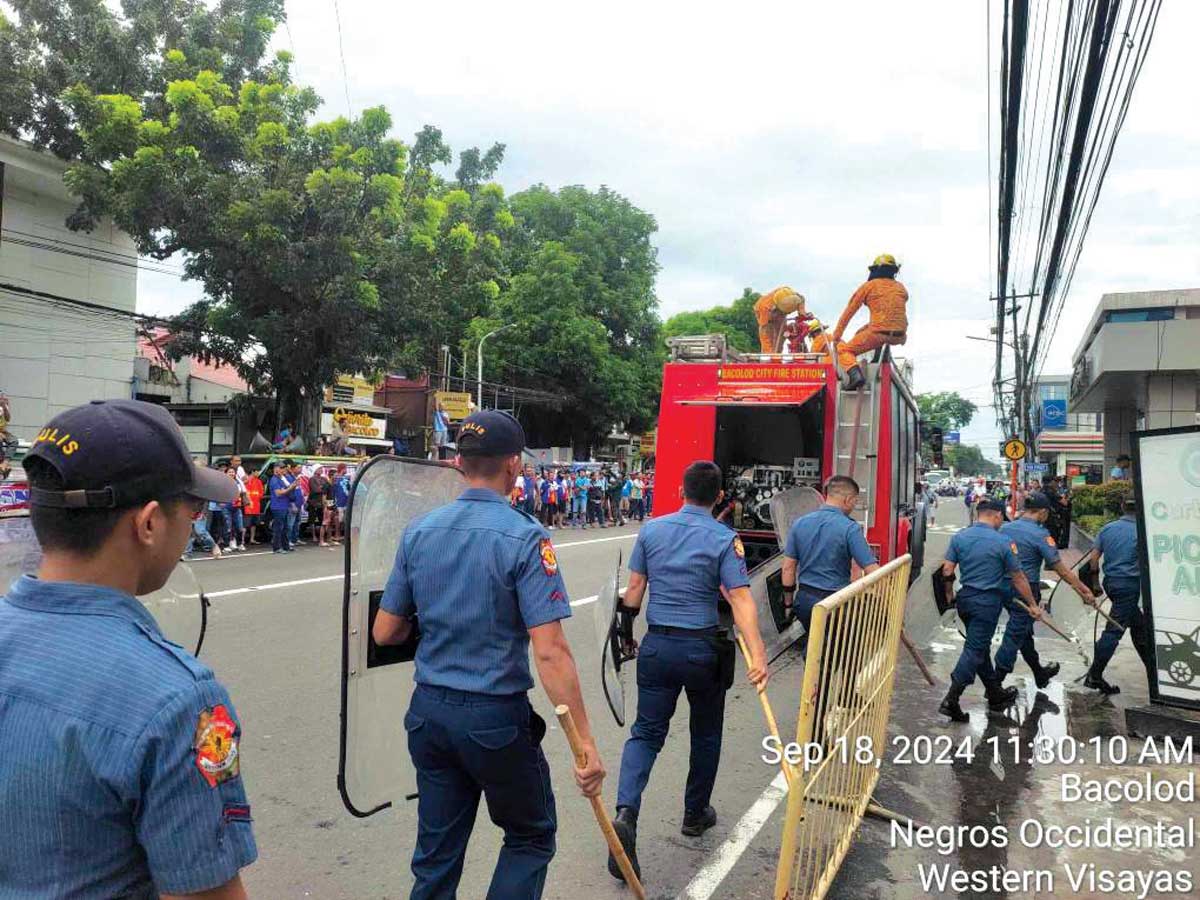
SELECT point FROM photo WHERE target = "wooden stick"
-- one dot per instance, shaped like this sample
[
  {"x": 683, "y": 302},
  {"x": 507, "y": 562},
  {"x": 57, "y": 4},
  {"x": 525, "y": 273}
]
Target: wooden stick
[
  {"x": 610, "y": 836},
  {"x": 772, "y": 724},
  {"x": 912, "y": 649}
]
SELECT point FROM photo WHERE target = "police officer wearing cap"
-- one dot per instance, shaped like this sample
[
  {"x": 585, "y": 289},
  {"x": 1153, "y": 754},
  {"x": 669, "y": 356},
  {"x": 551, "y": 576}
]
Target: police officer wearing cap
[
  {"x": 820, "y": 547},
  {"x": 991, "y": 572},
  {"x": 1035, "y": 545},
  {"x": 121, "y": 773},
  {"x": 688, "y": 559},
  {"x": 482, "y": 581},
  {"x": 1117, "y": 545}
]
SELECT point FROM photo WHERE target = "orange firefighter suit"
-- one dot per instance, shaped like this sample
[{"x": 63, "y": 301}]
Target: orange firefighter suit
[
  {"x": 886, "y": 299},
  {"x": 771, "y": 310}
]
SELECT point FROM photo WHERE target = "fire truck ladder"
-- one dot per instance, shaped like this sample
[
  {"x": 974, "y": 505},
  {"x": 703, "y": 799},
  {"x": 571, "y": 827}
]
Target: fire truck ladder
[{"x": 856, "y": 442}]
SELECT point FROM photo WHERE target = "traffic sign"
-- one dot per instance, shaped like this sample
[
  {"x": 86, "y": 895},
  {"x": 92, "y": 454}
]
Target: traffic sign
[
  {"x": 1036, "y": 468},
  {"x": 953, "y": 437},
  {"x": 1014, "y": 449}
]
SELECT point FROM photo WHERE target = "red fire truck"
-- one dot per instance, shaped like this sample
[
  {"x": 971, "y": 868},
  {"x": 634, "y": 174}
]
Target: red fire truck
[{"x": 775, "y": 421}]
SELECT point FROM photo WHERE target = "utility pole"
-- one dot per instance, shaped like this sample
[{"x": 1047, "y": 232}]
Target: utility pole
[{"x": 479, "y": 361}]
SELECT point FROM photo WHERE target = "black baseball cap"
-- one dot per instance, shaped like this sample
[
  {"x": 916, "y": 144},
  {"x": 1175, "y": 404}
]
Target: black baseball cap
[
  {"x": 989, "y": 506},
  {"x": 1037, "y": 500},
  {"x": 490, "y": 432},
  {"x": 112, "y": 454}
]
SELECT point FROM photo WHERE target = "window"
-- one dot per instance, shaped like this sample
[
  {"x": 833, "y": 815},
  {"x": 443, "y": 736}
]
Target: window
[{"x": 1154, "y": 314}]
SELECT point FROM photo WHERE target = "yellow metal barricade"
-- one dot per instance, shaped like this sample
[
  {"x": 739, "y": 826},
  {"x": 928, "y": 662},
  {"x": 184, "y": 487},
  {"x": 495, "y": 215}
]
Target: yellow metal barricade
[{"x": 845, "y": 701}]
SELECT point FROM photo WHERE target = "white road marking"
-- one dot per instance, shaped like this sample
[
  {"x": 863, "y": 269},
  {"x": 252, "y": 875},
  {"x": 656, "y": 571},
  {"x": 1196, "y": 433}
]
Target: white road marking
[
  {"x": 619, "y": 537},
  {"x": 723, "y": 859},
  {"x": 585, "y": 601},
  {"x": 267, "y": 587}
]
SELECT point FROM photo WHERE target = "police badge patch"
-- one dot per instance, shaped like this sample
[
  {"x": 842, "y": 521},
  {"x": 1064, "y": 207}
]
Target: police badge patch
[
  {"x": 216, "y": 745},
  {"x": 549, "y": 559},
  {"x": 738, "y": 548}
]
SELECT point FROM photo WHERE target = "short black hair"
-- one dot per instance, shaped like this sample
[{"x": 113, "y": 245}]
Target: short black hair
[
  {"x": 80, "y": 532},
  {"x": 702, "y": 482},
  {"x": 841, "y": 486},
  {"x": 482, "y": 466}
]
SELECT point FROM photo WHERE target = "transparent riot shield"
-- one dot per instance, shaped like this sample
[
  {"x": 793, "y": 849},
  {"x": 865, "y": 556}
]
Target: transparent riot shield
[
  {"x": 179, "y": 606},
  {"x": 374, "y": 769},
  {"x": 787, "y": 506},
  {"x": 613, "y": 661},
  {"x": 779, "y": 630}
]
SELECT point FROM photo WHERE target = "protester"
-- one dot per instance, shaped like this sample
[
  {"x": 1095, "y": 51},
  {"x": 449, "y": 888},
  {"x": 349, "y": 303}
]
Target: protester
[
  {"x": 441, "y": 430},
  {"x": 237, "y": 520},
  {"x": 579, "y": 502},
  {"x": 341, "y": 500},
  {"x": 318, "y": 497},
  {"x": 281, "y": 487},
  {"x": 595, "y": 502},
  {"x": 295, "y": 504},
  {"x": 253, "y": 508}
]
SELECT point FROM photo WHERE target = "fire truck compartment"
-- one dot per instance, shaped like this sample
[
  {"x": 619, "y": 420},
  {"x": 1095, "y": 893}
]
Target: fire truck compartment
[{"x": 763, "y": 449}]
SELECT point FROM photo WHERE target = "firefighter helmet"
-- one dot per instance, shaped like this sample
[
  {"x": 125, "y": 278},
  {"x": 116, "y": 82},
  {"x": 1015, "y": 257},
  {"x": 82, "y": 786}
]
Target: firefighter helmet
[{"x": 885, "y": 259}]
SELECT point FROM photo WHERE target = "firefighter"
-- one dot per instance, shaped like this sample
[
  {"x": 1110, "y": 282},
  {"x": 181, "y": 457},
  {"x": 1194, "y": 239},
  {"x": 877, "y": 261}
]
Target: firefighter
[
  {"x": 886, "y": 299},
  {"x": 818, "y": 339},
  {"x": 771, "y": 310},
  {"x": 687, "y": 558},
  {"x": 1117, "y": 544},
  {"x": 988, "y": 560},
  {"x": 484, "y": 579},
  {"x": 1035, "y": 545},
  {"x": 122, "y": 772}
]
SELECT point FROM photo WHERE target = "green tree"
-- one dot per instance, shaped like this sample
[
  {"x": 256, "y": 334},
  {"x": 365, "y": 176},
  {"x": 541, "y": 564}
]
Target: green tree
[
  {"x": 291, "y": 227},
  {"x": 51, "y": 46},
  {"x": 736, "y": 322},
  {"x": 968, "y": 459},
  {"x": 947, "y": 410},
  {"x": 581, "y": 293}
]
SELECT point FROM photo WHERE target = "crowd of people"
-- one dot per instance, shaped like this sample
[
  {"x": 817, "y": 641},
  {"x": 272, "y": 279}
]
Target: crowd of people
[
  {"x": 1056, "y": 489},
  {"x": 294, "y": 501},
  {"x": 561, "y": 498}
]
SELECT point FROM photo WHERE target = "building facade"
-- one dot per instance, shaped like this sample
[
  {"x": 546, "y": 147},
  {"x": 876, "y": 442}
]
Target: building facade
[
  {"x": 1138, "y": 364},
  {"x": 58, "y": 353},
  {"x": 1067, "y": 442}
]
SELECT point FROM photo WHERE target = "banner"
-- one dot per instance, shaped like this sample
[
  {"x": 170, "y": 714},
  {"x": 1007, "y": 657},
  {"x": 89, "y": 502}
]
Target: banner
[
  {"x": 456, "y": 403},
  {"x": 1168, "y": 482}
]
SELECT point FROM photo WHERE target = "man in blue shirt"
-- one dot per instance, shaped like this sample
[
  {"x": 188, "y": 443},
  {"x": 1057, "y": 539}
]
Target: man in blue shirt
[
  {"x": 991, "y": 572},
  {"x": 1035, "y": 546},
  {"x": 820, "y": 546},
  {"x": 341, "y": 499},
  {"x": 483, "y": 579},
  {"x": 1117, "y": 545},
  {"x": 121, "y": 751},
  {"x": 688, "y": 559},
  {"x": 280, "y": 488}
]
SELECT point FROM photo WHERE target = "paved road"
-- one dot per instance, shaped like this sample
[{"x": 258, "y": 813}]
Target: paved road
[{"x": 278, "y": 649}]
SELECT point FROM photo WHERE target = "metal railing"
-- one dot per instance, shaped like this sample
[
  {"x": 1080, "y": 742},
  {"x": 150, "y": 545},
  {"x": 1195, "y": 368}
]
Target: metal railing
[{"x": 845, "y": 701}]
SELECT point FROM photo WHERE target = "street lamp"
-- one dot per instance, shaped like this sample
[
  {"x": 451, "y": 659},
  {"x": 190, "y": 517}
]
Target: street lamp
[{"x": 479, "y": 361}]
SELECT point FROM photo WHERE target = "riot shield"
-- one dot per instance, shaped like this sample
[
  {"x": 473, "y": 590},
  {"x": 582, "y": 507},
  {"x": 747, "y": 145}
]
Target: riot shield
[
  {"x": 179, "y": 606},
  {"x": 612, "y": 656},
  {"x": 787, "y": 506},
  {"x": 373, "y": 764},
  {"x": 779, "y": 630}
]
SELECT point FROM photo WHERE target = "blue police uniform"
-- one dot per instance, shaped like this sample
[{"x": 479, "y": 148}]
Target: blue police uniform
[
  {"x": 478, "y": 574},
  {"x": 823, "y": 542},
  {"x": 985, "y": 560},
  {"x": 121, "y": 753},
  {"x": 686, "y": 557},
  {"x": 1034, "y": 547},
  {"x": 1118, "y": 546}
]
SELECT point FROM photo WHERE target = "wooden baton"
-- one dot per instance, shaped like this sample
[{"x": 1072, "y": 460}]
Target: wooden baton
[
  {"x": 912, "y": 649},
  {"x": 772, "y": 724},
  {"x": 567, "y": 724}
]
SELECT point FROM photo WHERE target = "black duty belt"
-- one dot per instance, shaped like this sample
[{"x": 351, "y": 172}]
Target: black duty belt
[{"x": 672, "y": 631}]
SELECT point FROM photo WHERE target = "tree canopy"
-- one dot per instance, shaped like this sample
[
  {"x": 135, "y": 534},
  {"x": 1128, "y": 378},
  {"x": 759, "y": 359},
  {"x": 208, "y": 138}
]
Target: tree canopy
[
  {"x": 735, "y": 321},
  {"x": 968, "y": 459},
  {"x": 947, "y": 410}
]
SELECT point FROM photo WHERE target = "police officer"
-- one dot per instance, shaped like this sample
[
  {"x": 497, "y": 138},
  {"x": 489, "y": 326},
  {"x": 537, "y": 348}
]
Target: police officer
[
  {"x": 121, "y": 751},
  {"x": 482, "y": 579},
  {"x": 687, "y": 558},
  {"x": 1035, "y": 545},
  {"x": 820, "y": 547},
  {"x": 991, "y": 572},
  {"x": 1117, "y": 544}
]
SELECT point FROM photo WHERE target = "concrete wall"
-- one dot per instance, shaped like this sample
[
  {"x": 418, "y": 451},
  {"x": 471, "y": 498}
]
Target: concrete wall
[{"x": 53, "y": 357}]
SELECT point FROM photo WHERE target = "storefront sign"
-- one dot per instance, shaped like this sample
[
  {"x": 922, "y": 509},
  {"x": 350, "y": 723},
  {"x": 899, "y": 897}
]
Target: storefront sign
[
  {"x": 1054, "y": 413},
  {"x": 1167, "y": 478},
  {"x": 354, "y": 423},
  {"x": 456, "y": 403},
  {"x": 646, "y": 444}
]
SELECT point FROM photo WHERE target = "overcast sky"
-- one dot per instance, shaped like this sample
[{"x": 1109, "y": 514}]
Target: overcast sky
[{"x": 775, "y": 143}]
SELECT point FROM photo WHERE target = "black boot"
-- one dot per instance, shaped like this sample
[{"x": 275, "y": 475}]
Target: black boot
[
  {"x": 695, "y": 824},
  {"x": 855, "y": 378},
  {"x": 625, "y": 825},
  {"x": 1043, "y": 674},
  {"x": 1097, "y": 682},
  {"x": 998, "y": 697},
  {"x": 950, "y": 706}
]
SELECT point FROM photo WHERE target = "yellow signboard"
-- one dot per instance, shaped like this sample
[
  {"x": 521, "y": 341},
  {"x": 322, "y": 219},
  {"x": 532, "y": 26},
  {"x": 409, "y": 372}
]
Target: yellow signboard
[
  {"x": 456, "y": 403},
  {"x": 350, "y": 389},
  {"x": 1014, "y": 449},
  {"x": 646, "y": 445}
]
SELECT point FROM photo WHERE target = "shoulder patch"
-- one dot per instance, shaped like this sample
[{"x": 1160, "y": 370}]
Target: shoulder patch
[
  {"x": 1050, "y": 540},
  {"x": 549, "y": 559},
  {"x": 216, "y": 745},
  {"x": 1013, "y": 547},
  {"x": 738, "y": 548}
]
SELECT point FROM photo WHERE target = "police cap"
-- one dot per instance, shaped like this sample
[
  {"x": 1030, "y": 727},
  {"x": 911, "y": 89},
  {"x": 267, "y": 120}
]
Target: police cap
[
  {"x": 1037, "y": 500},
  {"x": 112, "y": 454},
  {"x": 989, "y": 506},
  {"x": 490, "y": 432}
]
